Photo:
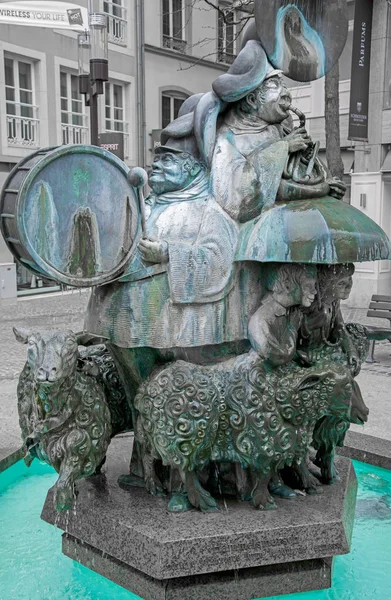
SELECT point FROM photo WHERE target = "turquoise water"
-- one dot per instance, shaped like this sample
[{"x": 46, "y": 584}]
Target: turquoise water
[{"x": 32, "y": 566}]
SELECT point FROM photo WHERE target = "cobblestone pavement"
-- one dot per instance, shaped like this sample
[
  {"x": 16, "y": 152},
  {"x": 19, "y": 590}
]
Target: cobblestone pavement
[
  {"x": 39, "y": 313},
  {"x": 56, "y": 311}
]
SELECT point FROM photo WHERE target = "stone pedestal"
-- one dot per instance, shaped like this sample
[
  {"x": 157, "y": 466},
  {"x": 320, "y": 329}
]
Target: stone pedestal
[{"x": 238, "y": 553}]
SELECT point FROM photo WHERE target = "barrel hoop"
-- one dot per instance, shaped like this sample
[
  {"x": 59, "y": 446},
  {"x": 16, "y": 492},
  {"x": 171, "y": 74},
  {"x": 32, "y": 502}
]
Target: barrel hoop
[
  {"x": 11, "y": 191},
  {"x": 7, "y": 216}
]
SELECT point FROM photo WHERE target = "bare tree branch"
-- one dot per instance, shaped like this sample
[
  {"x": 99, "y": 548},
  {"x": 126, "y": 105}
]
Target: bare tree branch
[
  {"x": 244, "y": 5},
  {"x": 227, "y": 13}
]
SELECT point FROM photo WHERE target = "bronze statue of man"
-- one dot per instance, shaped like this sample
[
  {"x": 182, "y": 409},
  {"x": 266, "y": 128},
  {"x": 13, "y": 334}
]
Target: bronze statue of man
[
  {"x": 178, "y": 293},
  {"x": 174, "y": 291},
  {"x": 252, "y": 148},
  {"x": 245, "y": 134}
]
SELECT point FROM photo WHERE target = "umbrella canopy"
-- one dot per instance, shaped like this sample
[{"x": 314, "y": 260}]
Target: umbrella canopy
[{"x": 322, "y": 231}]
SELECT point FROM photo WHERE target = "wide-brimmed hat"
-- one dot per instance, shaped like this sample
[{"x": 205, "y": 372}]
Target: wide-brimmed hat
[{"x": 249, "y": 69}]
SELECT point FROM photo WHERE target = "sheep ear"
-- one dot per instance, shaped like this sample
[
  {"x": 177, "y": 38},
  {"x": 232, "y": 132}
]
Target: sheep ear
[
  {"x": 309, "y": 382},
  {"x": 22, "y": 335},
  {"x": 83, "y": 338}
]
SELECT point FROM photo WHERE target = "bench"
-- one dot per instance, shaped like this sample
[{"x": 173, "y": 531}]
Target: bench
[{"x": 379, "y": 307}]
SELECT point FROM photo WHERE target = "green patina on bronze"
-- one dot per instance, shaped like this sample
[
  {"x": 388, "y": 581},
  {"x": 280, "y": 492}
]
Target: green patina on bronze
[
  {"x": 221, "y": 315},
  {"x": 320, "y": 231},
  {"x": 84, "y": 251},
  {"x": 81, "y": 182}
]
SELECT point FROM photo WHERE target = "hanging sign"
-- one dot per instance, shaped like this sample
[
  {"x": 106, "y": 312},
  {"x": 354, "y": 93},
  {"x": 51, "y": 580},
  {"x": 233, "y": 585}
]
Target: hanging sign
[
  {"x": 57, "y": 15},
  {"x": 114, "y": 142},
  {"x": 359, "y": 84}
]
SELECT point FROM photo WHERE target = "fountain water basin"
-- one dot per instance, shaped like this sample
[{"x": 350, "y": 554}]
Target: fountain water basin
[{"x": 32, "y": 566}]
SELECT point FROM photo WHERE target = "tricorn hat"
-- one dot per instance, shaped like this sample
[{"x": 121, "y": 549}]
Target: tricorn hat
[{"x": 187, "y": 144}]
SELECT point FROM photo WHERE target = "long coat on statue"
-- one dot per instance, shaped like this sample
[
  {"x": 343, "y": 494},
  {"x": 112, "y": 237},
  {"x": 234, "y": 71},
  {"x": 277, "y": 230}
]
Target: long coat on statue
[
  {"x": 193, "y": 300},
  {"x": 248, "y": 163}
]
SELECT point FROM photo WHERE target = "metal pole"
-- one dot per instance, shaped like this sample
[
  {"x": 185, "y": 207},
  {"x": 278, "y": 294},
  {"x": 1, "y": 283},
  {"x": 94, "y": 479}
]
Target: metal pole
[
  {"x": 94, "y": 118},
  {"x": 94, "y": 123},
  {"x": 140, "y": 56}
]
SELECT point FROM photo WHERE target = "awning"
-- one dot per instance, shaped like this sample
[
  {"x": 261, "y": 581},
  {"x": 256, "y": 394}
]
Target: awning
[{"x": 386, "y": 166}]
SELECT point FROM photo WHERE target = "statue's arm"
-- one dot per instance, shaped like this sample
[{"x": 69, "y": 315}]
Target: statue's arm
[
  {"x": 347, "y": 344},
  {"x": 273, "y": 341},
  {"x": 244, "y": 185}
]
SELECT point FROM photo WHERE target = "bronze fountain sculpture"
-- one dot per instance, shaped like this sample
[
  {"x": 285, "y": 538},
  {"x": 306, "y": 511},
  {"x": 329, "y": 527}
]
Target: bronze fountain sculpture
[{"x": 217, "y": 302}]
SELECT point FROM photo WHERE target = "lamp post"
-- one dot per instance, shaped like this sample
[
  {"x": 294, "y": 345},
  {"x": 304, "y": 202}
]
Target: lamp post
[{"x": 93, "y": 43}]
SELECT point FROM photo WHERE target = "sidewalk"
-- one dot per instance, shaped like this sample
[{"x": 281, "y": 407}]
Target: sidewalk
[{"x": 62, "y": 311}]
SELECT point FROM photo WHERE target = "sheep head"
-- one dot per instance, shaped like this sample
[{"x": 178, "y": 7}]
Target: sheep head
[{"x": 52, "y": 358}]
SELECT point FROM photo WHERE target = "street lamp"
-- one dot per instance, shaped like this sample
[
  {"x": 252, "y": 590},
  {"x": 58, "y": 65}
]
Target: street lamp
[{"x": 93, "y": 43}]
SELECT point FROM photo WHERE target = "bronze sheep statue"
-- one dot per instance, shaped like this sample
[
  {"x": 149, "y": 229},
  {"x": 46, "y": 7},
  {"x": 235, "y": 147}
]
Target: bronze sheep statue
[
  {"x": 240, "y": 412},
  {"x": 63, "y": 405}
]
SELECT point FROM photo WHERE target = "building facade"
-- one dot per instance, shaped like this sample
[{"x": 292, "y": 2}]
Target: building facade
[
  {"x": 40, "y": 105},
  {"x": 367, "y": 165},
  {"x": 187, "y": 45}
]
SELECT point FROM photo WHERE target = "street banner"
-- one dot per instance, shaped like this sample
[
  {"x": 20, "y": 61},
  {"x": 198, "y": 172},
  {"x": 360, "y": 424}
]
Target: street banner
[
  {"x": 114, "y": 142},
  {"x": 57, "y": 15},
  {"x": 359, "y": 83}
]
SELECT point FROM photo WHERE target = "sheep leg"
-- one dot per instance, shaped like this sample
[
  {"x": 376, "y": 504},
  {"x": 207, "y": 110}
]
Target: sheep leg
[
  {"x": 307, "y": 480},
  {"x": 98, "y": 469},
  {"x": 152, "y": 481},
  {"x": 325, "y": 461},
  {"x": 197, "y": 495},
  {"x": 64, "y": 488},
  {"x": 260, "y": 494}
]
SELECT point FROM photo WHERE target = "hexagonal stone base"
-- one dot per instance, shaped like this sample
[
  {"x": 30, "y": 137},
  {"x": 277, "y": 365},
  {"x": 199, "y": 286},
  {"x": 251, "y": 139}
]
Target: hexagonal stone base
[{"x": 129, "y": 537}]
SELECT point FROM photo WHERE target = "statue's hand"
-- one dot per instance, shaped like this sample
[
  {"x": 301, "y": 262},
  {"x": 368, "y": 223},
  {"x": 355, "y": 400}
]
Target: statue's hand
[
  {"x": 304, "y": 358},
  {"x": 337, "y": 188},
  {"x": 154, "y": 251},
  {"x": 298, "y": 139}
]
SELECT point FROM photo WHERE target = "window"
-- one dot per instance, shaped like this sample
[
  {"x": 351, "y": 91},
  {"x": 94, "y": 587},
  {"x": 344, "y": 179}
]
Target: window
[
  {"x": 21, "y": 112},
  {"x": 73, "y": 118},
  {"x": 115, "y": 119},
  {"x": 226, "y": 37},
  {"x": 171, "y": 103},
  {"x": 116, "y": 21},
  {"x": 174, "y": 25},
  {"x": 114, "y": 107}
]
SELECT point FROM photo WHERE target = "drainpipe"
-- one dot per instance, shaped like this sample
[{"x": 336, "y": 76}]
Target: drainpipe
[{"x": 140, "y": 58}]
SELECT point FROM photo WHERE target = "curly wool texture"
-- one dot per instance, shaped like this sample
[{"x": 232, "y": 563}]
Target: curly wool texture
[
  {"x": 237, "y": 411},
  {"x": 65, "y": 420},
  {"x": 85, "y": 439}
]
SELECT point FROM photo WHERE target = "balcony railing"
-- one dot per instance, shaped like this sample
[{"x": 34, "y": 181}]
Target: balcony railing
[
  {"x": 174, "y": 44},
  {"x": 116, "y": 23},
  {"x": 74, "y": 134},
  {"x": 22, "y": 130},
  {"x": 225, "y": 57}
]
